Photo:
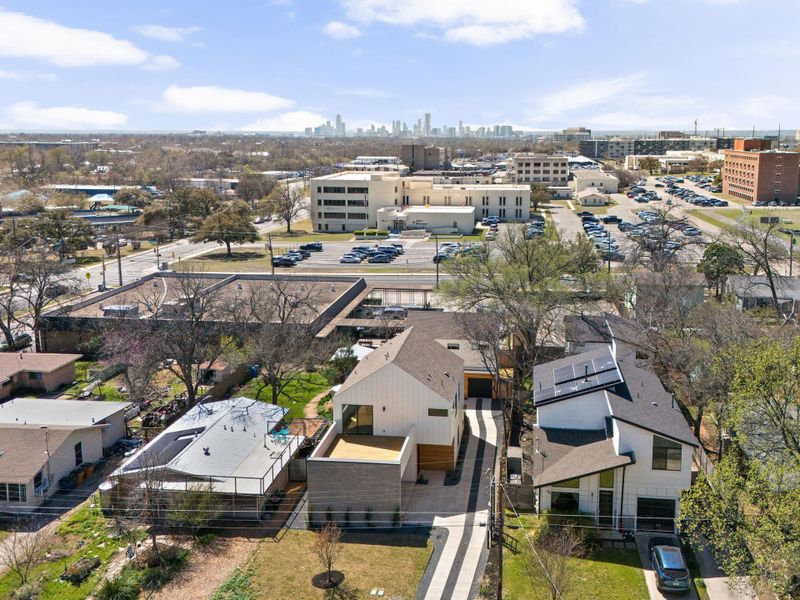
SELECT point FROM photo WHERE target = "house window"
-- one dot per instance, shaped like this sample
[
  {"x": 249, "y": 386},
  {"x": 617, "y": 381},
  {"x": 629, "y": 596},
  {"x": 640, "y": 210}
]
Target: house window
[
  {"x": 607, "y": 479},
  {"x": 570, "y": 483},
  {"x": 666, "y": 455},
  {"x": 357, "y": 419},
  {"x": 564, "y": 502},
  {"x": 13, "y": 492},
  {"x": 453, "y": 345},
  {"x": 78, "y": 454},
  {"x": 438, "y": 412},
  {"x": 35, "y": 376}
]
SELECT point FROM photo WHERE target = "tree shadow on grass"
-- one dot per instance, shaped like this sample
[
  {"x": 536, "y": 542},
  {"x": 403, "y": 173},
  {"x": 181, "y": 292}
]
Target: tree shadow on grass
[{"x": 240, "y": 256}]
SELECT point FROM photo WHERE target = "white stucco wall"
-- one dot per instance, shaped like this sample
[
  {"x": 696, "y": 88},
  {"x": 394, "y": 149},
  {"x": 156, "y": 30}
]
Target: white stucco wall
[{"x": 583, "y": 412}]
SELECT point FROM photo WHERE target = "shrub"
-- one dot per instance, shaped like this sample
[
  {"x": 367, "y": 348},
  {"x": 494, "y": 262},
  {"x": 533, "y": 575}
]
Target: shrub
[
  {"x": 205, "y": 540},
  {"x": 124, "y": 586},
  {"x": 368, "y": 516},
  {"x": 359, "y": 232},
  {"x": 396, "y": 517},
  {"x": 329, "y": 515},
  {"x": 29, "y": 591},
  {"x": 81, "y": 569}
]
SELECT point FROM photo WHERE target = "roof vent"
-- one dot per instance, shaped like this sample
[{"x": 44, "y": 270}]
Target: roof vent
[
  {"x": 207, "y": 451},
  {"x": 654, "y": 403}
]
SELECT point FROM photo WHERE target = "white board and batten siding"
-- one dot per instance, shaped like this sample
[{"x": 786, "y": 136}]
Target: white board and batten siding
[
  {"x": 401, "y": 402},
  {"x": 583, "y": 412}
]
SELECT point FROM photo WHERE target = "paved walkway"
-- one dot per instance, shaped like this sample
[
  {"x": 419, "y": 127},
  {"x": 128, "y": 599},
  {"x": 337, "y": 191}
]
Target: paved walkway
[
  {"x": 460, "y": 509},
  {"x": 717, "y": 583}
]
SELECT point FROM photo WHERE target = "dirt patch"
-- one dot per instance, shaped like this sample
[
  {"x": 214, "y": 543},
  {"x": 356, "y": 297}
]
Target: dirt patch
[{"x": 208, "y": 568}]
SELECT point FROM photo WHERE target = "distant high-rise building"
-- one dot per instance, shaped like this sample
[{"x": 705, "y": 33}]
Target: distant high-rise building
[
  {"x": 461, "y": 129},
  {"x": 427, "y": 129},
  {"x": 340, "y": 130},
  {"x": 421, "y": 157}
]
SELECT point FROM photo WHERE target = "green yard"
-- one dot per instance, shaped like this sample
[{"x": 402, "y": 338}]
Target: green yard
[
  {"x": 85, "y": 533},
  {"x": 294, "y": 396},
  {"x": 303, "y": 231},
  {"x": 245, "y": 261},
  {"x": 602, "y": 574},
  {"x": 392, "y": 562}
]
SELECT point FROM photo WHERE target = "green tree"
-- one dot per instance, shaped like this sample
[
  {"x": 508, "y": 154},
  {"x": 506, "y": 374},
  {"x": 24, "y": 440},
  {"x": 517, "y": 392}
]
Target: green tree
[
  {"x": 748, "y": 507},
  {"x": 650, "y": 163},
  {"x": 232, "y": 225},
  {"x": 720, "y": 260},
  {"x": 287, "y": 201},
  {"x": 698, "y": 164},
  {"x": 132, "y": 196},
  {"x": 181, "y": 210},
  {"x": 539, "y": 196},
  {"x": 66, "y": 232}
]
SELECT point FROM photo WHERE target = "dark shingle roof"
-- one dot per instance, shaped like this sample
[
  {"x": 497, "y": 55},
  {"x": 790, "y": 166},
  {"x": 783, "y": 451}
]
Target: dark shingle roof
[
  {"x": 597, "y": 329},
  {"x": 420, "y": 356},
  {"x": 569, "y": 453}
]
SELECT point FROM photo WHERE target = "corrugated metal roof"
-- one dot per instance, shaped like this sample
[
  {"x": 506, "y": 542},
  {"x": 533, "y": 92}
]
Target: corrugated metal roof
[{"x": 46, "y": 411}]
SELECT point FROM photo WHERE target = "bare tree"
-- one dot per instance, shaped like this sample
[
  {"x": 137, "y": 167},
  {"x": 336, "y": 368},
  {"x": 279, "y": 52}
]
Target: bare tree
[
  {"x": 23, "y": 550},
  {"x": 549, "y": 562},
  {"x": 193, "y": 508},
  {"x": 287, "y": 201},
  {"x": 763, "y": 252},
  {"x": 327, "y": 546},
  {"x": 283, "y": 341},
  {"x": 128, "y": 345}
]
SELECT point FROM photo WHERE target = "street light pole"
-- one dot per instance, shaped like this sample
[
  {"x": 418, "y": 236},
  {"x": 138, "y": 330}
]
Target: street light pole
[
  {"x": 271, "y": 255},
  {"x": 608, "y": 252},
  {"x": 436, "y": 238},
  {"x": 791, "y": 253}
]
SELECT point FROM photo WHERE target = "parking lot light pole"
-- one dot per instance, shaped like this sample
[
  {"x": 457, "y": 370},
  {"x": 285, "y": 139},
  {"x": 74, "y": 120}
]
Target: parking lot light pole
[
  {"x": 791, "y": 252},
  {"x": 436, "y": 239},
  {"x": 271, "y": 256},
  {"x": 608, "y": 252}
]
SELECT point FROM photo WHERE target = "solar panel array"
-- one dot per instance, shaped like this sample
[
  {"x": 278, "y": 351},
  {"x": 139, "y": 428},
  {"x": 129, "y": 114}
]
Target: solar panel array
[{"x": 580, "y": 377}]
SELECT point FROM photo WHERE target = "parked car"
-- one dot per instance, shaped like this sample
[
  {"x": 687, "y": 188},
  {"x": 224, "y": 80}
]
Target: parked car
[
  {"x": 670, "y": 569},
  {"x": 612, "y": 219},
  {"x": 350, "y": 258},
  {"x": 21, "y": 341},
  {"x": 312, "y": 247},
  {"x": 283, "y": 261},
  {"x": 380, "y": 257}
]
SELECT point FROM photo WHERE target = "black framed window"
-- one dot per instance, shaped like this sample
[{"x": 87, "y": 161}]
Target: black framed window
[
  {"x": 78, "y": 454},
  {"x": 357, "y": 419},
  {"x": 666, "y": 454}
]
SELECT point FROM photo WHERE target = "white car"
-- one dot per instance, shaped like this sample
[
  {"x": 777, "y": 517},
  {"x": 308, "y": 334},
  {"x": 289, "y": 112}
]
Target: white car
[{"x": 350, "y": 258}]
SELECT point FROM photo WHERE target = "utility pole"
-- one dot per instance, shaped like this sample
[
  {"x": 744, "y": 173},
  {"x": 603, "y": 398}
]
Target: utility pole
[
  {"x": 119, "y": 261},
  {"x": 103, "y": 258},
  {"x": 271, "y": 255},
  {"x": 791, "y": 253},
  {"x": 436, "y": 238},
  {"x": 608, "y": 253}
]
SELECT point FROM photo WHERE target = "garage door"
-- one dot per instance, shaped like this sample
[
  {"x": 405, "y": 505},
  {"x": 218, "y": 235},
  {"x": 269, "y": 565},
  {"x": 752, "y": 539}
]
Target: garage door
[
  {"x": 655, "y": 514},
  {"x": 479, "y": 388}
]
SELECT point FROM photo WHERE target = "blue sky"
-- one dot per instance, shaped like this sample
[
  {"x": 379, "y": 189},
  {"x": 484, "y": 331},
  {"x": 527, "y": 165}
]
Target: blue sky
[{"x": 287, "y": 64}]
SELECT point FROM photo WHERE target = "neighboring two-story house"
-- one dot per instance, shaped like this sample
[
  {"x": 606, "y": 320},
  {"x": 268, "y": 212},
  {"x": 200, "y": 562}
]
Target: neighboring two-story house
[
  {"x": 399, "y": 414},
  {"x": 609, "y": 442}
]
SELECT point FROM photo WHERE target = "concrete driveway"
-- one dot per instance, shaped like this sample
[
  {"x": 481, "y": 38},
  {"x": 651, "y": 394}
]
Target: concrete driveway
[{"x": 649, "y": 575}]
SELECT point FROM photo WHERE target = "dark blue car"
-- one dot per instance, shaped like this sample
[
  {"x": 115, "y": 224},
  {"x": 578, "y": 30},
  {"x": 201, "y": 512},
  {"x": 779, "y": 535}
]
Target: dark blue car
[{"x": 670, "y": 569}]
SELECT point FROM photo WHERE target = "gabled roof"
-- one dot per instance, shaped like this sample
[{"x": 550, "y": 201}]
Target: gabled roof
[
  {"x": 601, "y": 329},
  {"x": 12, "y": 363},
  {"x": 757, "y": 286},
  {"x": 420, "y": 356},
  {"x": 24, "y": 448},
  {"x": 564, "y": 454}
]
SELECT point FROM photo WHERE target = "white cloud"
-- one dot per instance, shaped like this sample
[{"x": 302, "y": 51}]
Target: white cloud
[
  {"x": 162, "y": 62},
  {"x": 164, "y": 33},
  {"x": 472, "y": 21},
  {"x": 23, "y": 36},
  {"x": 590, "y": 93},
  {"x": 212, "y": 98},
  {"x": 30, "y": 114},
  {"x": 341, "y": 31},
  {"x": 22, "y": 76},
  {"x": 365, "y": 93},
  {"x": 290, "y": 121}
]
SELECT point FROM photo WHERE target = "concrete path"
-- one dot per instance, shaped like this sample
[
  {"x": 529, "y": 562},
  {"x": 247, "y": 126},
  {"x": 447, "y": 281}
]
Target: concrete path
[
  {"x": 718, "y": 585},
  {"x": 460, "y": 509}
]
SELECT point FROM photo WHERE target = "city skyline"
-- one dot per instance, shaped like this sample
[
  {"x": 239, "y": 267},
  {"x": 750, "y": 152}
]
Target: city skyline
[{"x": 284, "y": 65}]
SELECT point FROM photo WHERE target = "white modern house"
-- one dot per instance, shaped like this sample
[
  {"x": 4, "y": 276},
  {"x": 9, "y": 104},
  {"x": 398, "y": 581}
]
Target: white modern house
[
  {"x": 399, "y": 414},
  {"x": 238, "y": 448},
  {"x": 44, "y": 442},
  {"x": 609, "y": 442}
]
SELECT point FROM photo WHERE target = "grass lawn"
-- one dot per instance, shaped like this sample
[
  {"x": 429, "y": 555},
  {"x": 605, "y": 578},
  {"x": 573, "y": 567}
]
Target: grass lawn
[
  {"x": 83, "y": 534},
  {"x": 476, "y": 236},
  {"x": 392, "y": 562},
  {"x": 248, "y": 261},
  {"x": 604, "y": 574},
  {"x": 93, "y": 256},
  {"x": 294, "y": 396},
  {"x": 708, "y": 217},
  {"x": 303, "y": 231},
  {"x": 108, "y": 389}
]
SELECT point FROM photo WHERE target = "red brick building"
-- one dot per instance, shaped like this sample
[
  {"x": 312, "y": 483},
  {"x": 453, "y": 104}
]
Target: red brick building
[{"x": 754, "y": 172}]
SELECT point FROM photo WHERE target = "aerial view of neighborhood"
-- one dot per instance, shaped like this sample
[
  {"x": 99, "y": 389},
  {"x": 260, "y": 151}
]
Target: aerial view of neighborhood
[{"x": 412, "y": 300}]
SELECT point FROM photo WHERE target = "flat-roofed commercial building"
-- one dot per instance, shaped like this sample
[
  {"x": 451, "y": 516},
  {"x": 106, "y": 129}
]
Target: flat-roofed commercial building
[
  {"x": 755, "y": 173},
  {"x": 573, "y": 134},
  {"x": 351, "y": 201},
  {"x": 542, "y": 169}
]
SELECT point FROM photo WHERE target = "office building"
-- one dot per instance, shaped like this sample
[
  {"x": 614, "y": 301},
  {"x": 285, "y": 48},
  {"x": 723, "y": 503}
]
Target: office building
[
  {"x": 573, "y": 134},
  {"x": 618, "y": 149},
  {"x": 539, "y": 169},
  {"x": 674, "y": 161},
  {"x": 599, "y": 181},
  {"x": 352, "y": 201},
  {"x": 754, "y": 172},
  {"x": 419, "y": 157},
  {"x": 427, "y": 130}
]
